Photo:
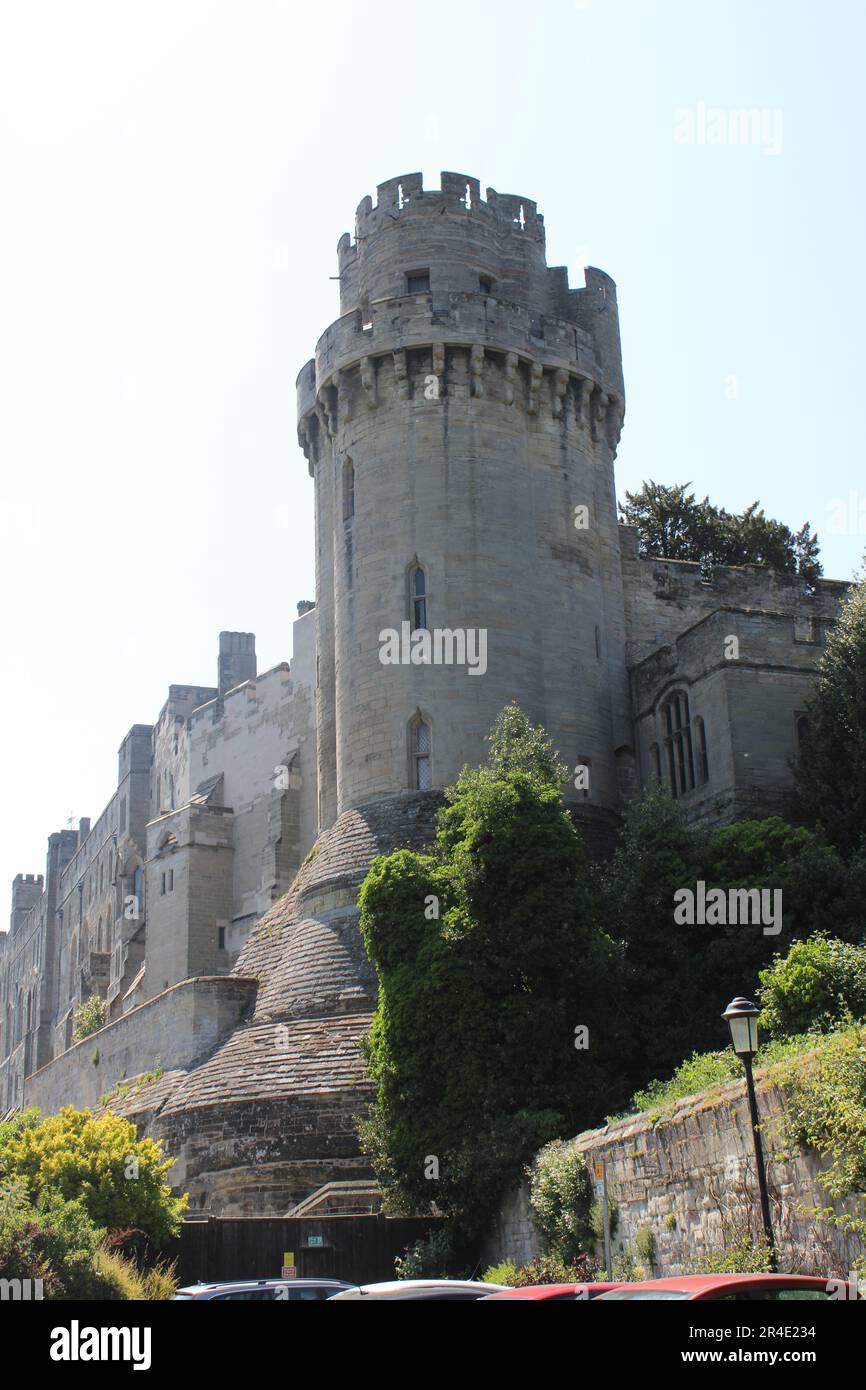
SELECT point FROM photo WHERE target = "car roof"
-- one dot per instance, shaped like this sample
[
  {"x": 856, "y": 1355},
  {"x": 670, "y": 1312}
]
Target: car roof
[
  {"x": 712, "y": 1283},
  {"x": 265, "y": 1283},
  {"x": 551, "y": 1290},
  {"x": 395, "y": 1286}
]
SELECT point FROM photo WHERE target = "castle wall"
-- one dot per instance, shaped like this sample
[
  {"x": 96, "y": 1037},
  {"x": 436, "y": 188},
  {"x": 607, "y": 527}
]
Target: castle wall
[
  {"x": 261, "y": 739},
  {"x": 747, "y": 673},
  {"x": 169, "y": 1032},
  {"x": 664, "y": 597}
]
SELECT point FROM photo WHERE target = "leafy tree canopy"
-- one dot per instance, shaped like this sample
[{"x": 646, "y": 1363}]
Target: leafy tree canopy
[
  {"x": 673, "y": 525},
  {"x": 488, "y": 960},
  {"x": 677, "y": 979},
  {"x": 97, "y": 1160}
]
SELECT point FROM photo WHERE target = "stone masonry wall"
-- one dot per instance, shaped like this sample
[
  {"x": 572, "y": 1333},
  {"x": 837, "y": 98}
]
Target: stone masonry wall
[
  {"x": 171, "y": 1031},
  {"x": 688, "y": 1174}
]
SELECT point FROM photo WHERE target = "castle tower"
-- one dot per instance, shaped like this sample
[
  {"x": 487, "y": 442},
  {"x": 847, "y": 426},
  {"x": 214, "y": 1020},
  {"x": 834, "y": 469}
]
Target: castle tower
[{"x": 455, "y": 416}]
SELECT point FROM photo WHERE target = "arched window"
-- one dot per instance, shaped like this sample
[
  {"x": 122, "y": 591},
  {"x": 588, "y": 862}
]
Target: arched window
[
  {"x": 421, "y": 745},
  {"x": 418, "y": 591},
  {"x": 679, "y": 754},
  {"x": 348, "y": 489}
]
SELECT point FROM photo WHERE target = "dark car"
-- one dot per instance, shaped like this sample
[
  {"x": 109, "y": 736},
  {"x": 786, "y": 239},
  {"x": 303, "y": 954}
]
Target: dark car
[{"x": 266, "y": 1290}]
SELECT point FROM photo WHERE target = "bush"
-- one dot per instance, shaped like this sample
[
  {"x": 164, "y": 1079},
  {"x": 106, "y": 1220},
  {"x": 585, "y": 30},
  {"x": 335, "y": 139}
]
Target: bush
[
  {"x": 504, "y": 1273},
  {"x": 645, "y": 1245},
  {"x": 89, "y": 1018},
  {"x": 826, "y": 1111},
  {"x": 119, "y": 1179},
  {"x": 54, "y": 1241},
  {"x": 817, "y": 985},
  {"x": 432, "y": 1257},
  {"x": 57, "y": 1242},
  {"x": 118, "y": 1278},
  {"x": 549, "y": 1269},
  {"x": 744, "y": 1256},
  {"x": 22, "y": 1255},
  {"x": 561, "y": 1197}
]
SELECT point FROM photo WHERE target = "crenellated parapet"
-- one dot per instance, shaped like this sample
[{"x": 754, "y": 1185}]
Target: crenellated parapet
[{"x": 443, "y": 274}]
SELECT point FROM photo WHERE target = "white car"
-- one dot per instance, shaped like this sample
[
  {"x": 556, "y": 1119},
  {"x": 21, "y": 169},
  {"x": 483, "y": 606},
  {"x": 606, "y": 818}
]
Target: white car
[{"x": 455, "y": 1290}]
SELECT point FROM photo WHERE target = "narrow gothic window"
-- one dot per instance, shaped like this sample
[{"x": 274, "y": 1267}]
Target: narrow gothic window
[
  {"x": 655, "y": 754},
  {"x": 703, "y": 761},
  {"x": 678, "y": 744},
  {"x": 421, "y": 756},
  {"x": 348, "y": 489},
  {"x": 419, "y": 598},
  {"x": 802, "y": 729}
]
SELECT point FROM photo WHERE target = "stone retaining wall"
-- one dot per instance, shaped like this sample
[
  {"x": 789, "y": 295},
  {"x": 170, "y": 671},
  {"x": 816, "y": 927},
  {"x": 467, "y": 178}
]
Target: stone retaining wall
[{"x": 687, "y": 1173}]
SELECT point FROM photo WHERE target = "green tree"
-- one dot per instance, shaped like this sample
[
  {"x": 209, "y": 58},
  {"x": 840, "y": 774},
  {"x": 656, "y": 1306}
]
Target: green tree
[
  {"x": 673, "y": 525},
  {"x": 489, "y": 960},
  {"x": 815, "y": 986},
  {"x": 678, "y": 978},
  {"x": 119, "y": 1179},
  {"x": 831, "y": 773}
]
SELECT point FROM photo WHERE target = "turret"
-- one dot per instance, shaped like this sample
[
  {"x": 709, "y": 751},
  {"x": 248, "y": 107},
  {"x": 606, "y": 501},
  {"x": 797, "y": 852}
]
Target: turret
[{"x": 457, "y": 418}]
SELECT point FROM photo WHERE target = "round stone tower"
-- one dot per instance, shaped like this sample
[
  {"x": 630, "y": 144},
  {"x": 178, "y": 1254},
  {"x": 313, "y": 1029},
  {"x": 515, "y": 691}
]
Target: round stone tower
[{"x": 460, "y": 420}]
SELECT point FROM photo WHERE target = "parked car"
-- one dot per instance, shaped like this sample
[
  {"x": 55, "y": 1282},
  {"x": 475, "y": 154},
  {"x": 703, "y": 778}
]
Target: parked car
[
  {"x": 265, "y": 1290},
  {"x": 555, "y": 1293},
  {"x": 454, "y": 1290},
  {"x": 739, "y": 1288}
]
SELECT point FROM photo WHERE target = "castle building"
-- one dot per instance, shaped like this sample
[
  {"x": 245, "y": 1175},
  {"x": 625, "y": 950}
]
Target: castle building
[{"x": 460, "y": 421}]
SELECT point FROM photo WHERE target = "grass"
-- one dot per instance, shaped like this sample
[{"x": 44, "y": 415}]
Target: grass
[{"x": 705, "y": 1070}]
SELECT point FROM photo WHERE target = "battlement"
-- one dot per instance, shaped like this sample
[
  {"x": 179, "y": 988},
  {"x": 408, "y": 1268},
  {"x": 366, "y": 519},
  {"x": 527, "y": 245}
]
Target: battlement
[
  {"x": 458, "y": 194},
  {"x": 417, "y": 241}
]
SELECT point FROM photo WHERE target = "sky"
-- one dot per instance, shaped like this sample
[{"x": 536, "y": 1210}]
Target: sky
[{"x": 174, "y": 178}]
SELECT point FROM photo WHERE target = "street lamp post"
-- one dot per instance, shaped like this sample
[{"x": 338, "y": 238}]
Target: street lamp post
[{"x": 742, "y": 1016}]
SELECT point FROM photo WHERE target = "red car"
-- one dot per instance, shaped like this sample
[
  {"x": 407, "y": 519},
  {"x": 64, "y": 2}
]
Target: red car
[
  {"x": 557, "y": 1293},
  {"x": 740, "y": 1288}
]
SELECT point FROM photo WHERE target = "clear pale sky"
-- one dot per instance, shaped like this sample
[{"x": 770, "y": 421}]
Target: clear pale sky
[{"x": 174, "y": 180}]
